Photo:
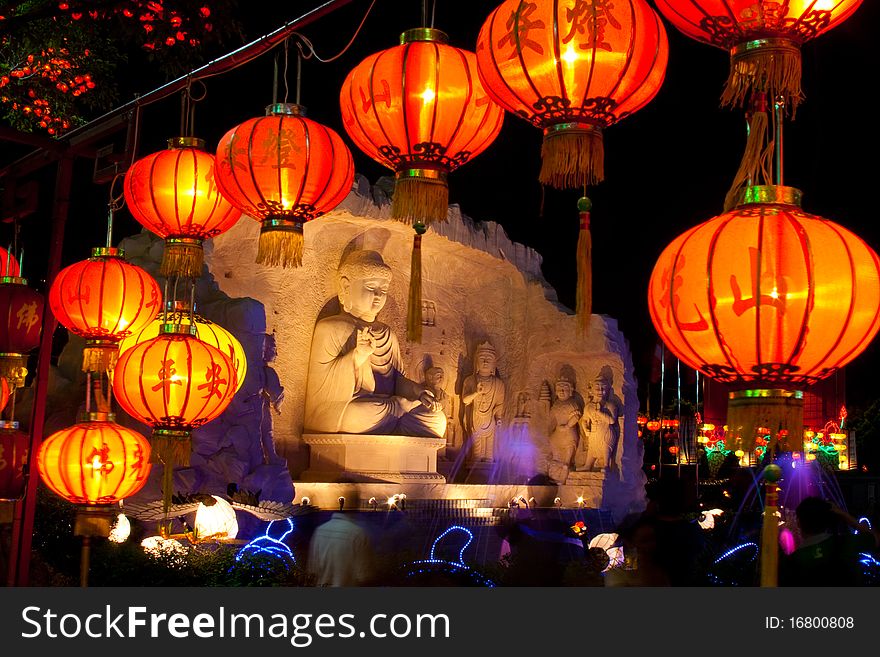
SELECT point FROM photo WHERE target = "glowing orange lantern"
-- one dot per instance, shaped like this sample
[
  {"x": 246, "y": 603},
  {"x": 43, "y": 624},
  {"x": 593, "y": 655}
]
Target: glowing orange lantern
[
  {"x": 4, "y": 392},
  {"x": 572, "y": 68},
  {"x": 653, "y": 425},
  {"x": 104, "y": 299},
  {"x": 14, "y": 446},
  {"x": 283, "y": 170},
  {"x": 174, "y": 383},
  {"x": 420, "y": 110},
  {"x": 8, "y": 264},
  {"x": 21, "y": 322},
  {"x": 95, "y": 462},
  {"x": 206, "y": 331},
  {"x": 766, "y": 295},
  {"x": 173, "y": 193},
  {"x": 764, "y": 39}
]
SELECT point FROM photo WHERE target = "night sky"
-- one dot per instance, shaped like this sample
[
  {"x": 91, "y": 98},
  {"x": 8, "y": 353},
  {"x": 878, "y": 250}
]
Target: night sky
[{"x": 667, "y": 167}]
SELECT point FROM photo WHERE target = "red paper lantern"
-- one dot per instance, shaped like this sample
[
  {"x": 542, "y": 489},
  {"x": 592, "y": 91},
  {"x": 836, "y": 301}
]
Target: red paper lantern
[
  {"x": 8, "y": 264},
  {"x": 572, "y": 68},
  {"x": 763, "y": 37},
  {"x": 21, "y": 321},
  {"x": 174, "y": 383},
  {"x": 104, "y": 299},
  {"x": 96, "y": 462},
  {"x": 420, "y": 110},
  {"x": 283, "y": 170},
  {"x": 173, "y": 193},
  {"x": 766, "y": 294},
  {"x": 768, "y": 298},
  {"x": 14, "y": 446}
]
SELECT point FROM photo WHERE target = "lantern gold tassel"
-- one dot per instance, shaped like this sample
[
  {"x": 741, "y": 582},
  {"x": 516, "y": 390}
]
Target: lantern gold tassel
[
  {"x": 769, "y": 65},
  {"x": 414, "y": 308},
  {"x": 99, "y": 356},
  {"x": 183, "y": 256},
  {"x": 281, "y": 243},
  {"x": 584, "y": 299},
  {"x": 420, "y": 196},
  {"x": 755, "y": 166},
  {"x": 572, "y": 156},
  {"x": 171, "y": 447}
]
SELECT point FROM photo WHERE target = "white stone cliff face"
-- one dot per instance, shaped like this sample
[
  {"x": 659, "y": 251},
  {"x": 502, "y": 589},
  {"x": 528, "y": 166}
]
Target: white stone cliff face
[{"x": 480, "y": 286}]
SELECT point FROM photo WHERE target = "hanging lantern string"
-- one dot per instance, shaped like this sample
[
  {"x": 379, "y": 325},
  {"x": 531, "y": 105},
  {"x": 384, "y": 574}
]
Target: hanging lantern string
[
  {"x": 114, "y": 204},
  {"x": 188, "y": 107},
  {"x": 776, "y": 144},
  {"x": 303, "y": 41}
]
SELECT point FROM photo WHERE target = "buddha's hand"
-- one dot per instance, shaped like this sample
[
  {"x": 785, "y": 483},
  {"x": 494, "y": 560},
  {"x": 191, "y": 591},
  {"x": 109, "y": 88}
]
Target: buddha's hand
[
  {"x": 364, "y": 347},
  {"x": 430, "y": 402}
]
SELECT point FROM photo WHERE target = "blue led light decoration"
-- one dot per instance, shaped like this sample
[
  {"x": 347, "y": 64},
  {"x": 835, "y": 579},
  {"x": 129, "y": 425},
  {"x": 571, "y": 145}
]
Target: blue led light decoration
[
  {"x": 732, "y": 567},
  {"x": 267, "y": 545},
  {"x": 433, "y": 567}
]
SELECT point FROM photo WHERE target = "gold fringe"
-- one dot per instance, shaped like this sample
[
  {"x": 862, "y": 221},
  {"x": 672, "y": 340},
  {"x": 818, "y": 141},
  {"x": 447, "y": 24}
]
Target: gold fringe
[
  {"x": 182, "y": 259},
  {"x": 173, "y": 450},
  {"x": 584, "y": 302},
  {"x": 755, "y": 168},
  {"x": 13, "y": 368},
  {"x": 420, "y": 200},
  {"x": 100, "y": 358},
  {"x": 414, "y": 305},
  {"x": 573, "y": 159},
  {"x": 775, "y": 70},
  {"x": 280, "y": 248},
  {"x": 745, "y": 415}
]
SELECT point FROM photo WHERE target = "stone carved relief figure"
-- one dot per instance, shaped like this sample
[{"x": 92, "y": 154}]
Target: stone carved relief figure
[
  {"x": 356, "y": 381},
  {"x": 565, "y": 412},
  {"x": 435, "y": 379},
  {"x": 271, "y": 398},
  {"x": 483, "y": 396},
  {"x": 602, "y": 411}
]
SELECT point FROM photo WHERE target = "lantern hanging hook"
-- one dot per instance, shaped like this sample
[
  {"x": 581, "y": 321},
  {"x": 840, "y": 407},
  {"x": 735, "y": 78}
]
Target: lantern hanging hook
[
  {"x": 309, "y": 52},
  {"x": 188, "y": 101}
]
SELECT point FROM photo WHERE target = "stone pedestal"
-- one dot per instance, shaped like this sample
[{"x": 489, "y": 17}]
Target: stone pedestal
[{"x": 372, "y": 458}]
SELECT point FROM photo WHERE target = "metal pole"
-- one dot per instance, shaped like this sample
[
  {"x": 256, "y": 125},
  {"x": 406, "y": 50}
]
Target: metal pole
[
  {"x": 778, "y": 118},
  {"x": 23, "y": 526},
  {"x": 662, "y": 388},
  {"x": 84, "y": 562}
]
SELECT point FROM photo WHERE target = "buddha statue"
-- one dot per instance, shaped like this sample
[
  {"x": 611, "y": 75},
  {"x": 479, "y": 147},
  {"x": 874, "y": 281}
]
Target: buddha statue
[{"x": 356, "y": 380}]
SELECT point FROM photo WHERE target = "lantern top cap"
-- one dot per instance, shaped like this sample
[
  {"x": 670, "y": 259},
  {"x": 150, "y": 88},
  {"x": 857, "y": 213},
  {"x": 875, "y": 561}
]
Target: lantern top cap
[
  {"x": 285, "y": 109},
  {"x": 423, "y": 34},
  {"x": 774, "y": 194},
  {"x": 186, "y": 142},
  {"x": 12, "y": 280},
  {"x": 107, "y": 252},
  {"x": 765, "y": 392},
  {"x": 178, "y": 329},
  {"x": 97, "y": 416},
  {"x": 9, "y": 424}
]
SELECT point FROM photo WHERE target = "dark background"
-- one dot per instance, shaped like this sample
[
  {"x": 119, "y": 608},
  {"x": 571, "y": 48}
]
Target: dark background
[{"x": 668, "y": 166}]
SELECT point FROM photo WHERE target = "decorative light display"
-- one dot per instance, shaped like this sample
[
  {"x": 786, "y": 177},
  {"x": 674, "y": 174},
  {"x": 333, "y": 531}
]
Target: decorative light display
[
  {"x": 764, "y": 39},
  {"x": 749, "y": 549},
  {"x": 572, "y": 68},
  {"x": 216, "y": 521},
  {"x": 206, "y": 331},
  {"x": 4, "y": 392},
  {"x": 165, "y": 548},
  {"x": 268, "y": 545},
  {"x": 707, "y": 518},
  {"x": 104, "y": 299},
  {"x": 173, "y": 193},
  {"x": 14, "y": 446},
  {"x": 21, "y": 322},
  {"x": 433, "y": 565},
  {"x": 420, "y": 110},
  {"x": 283, "y": 170},
  {"x": 607, "y": 542},
  {"x": 121, "y": 529}
]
